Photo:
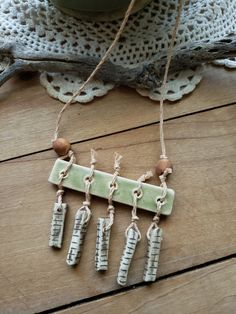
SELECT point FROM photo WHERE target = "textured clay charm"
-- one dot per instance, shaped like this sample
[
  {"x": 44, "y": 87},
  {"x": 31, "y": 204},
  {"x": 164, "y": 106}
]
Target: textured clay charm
[
  {"x": 102, "y": 244},
  {"x": 129, "y": 249},
  {"x": 57, "y": 225},
  {"x": 153, "y": 253},
  {"x": 79, "y": 231}
]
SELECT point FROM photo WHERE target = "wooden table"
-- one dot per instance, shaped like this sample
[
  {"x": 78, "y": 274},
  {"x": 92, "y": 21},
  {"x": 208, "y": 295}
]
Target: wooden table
[{"x": 197, "y": 271}]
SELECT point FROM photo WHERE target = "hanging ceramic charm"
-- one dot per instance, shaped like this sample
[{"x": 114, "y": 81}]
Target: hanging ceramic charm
[
  {"x": 82, "y": 218},
  {"x": 59, "y": 210},
  {"x": 104, "y": 224},
  {"x": 132, "y": 234}
]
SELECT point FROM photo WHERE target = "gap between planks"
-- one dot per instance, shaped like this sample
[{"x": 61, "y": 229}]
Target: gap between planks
[
  {"x": 125, "y": 130},
  {"x": 32, "y": 126},
  {"x": 209, "y": 135},
  {"x": 69, "y": 308}
]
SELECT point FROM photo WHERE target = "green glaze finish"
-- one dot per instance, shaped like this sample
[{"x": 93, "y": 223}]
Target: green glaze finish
[{"x": 100, "y": 187}]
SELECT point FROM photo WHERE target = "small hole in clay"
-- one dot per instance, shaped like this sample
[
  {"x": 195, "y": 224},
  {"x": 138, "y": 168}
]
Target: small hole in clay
[
  {"x": 57, "y": 88},
  {"x": 49, "y": 78},
  {"x": 114, "y": 185}
]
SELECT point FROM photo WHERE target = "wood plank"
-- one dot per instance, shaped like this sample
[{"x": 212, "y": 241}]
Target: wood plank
[
  {"x": 211, "y": 290},
  {"x": 201, "y": 228},
  {"x": 28, "y": 114}
]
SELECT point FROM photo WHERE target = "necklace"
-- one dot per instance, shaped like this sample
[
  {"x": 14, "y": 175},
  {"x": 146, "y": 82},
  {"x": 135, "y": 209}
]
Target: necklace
[{"x": 138, "y": 194}]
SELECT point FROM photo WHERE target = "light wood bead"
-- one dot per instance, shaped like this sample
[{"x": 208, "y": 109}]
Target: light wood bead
[
  {"x": 162, "y": 165},
  {"x": 61, "y": 146}
]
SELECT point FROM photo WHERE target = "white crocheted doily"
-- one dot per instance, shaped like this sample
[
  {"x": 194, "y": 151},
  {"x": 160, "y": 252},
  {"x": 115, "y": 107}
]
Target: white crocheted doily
[
  {"x": 62, "y": 86},
  {"x": 228, "y": 63},
  {"x": 179, "y": 84},
  {"x": 39, "y": 26}
]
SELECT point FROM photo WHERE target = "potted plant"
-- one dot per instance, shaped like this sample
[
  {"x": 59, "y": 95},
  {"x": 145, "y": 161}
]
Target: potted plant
[{"x": 97, "y": 10}]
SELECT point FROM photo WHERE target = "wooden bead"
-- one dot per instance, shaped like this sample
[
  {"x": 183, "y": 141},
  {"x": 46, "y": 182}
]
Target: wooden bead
[
  {"x": 162, "y": 165},
  {"x": 61, "y": 146}
]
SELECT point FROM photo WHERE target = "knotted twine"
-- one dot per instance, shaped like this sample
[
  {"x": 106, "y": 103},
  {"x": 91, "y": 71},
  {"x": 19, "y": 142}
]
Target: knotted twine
[
  {"x": 113, "y": 187},
  {"x": 137, "y": 194},
  {"x": 63, "y": 174},
  {"x": 88, "y": 180}
]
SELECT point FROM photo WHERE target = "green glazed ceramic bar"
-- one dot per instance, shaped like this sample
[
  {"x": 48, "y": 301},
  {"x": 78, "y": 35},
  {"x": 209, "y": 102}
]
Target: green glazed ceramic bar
[{"x": 101, "y": 183}]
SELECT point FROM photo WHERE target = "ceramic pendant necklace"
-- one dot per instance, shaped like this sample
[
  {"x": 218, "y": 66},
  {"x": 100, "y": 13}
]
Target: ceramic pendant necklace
[
  {"x": 154, "y": 233},
  {"x": 67, "y": 174}
]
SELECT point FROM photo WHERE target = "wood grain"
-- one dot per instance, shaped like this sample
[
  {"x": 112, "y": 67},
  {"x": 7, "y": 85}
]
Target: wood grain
[
  {"x": 144, "y": 75},
  {"x": 202, "y": 227},
  {"x": 211, "y": 290},
  {"x": 28, "y": 114}
]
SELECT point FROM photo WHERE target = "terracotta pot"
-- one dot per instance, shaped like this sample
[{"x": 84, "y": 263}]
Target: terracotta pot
[{"x": 97, "y": 10}]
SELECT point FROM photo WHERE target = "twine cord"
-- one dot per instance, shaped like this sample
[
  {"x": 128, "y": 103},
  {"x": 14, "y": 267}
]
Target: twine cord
[
  {"x": 86, "y": 218},
  {"x": 97, "y": 68},
  {"x": 59, "y": 196},
  {"x": 160, "y": 201},
  {"x": 137, "y": 194},
  {"x": 104, "y": 59},
  {"x": 89, "y": 179},
  {"x": 163, "y": 86},
  {"x": 163, "y": 177},
  {"x": 155, "y": 220},
  {"x": 63, "y": 174},
  {"x": 113, "y": 187}
]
